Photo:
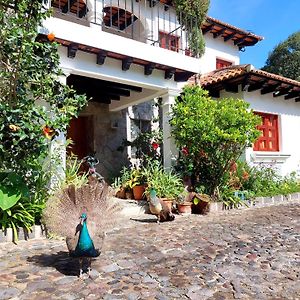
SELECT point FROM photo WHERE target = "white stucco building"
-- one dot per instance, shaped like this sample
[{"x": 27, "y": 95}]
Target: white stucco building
[{"x": 124, "y": 53}]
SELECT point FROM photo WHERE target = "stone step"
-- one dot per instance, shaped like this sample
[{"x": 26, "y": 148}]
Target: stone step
[{"x": 132, "y": 208}]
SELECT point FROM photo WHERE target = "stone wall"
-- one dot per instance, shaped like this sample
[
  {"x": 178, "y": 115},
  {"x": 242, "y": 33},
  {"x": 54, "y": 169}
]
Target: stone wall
[{"x": 109, "y": 129}]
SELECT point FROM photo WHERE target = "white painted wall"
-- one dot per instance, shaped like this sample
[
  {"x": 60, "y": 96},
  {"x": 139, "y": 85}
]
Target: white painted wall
[
  {"x": 288, "y": 158},
  {"x": 217, "y": 48},
  {"x": 94, "y": 37},
  {"x": 289, "y": 123},
  {"x": 84, "y": 64}
]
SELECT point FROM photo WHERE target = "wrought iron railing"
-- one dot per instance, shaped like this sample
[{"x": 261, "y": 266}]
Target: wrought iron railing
[{"x": 150, "y": 21}]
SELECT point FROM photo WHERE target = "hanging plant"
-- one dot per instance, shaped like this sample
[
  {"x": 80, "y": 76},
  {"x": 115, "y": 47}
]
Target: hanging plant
[{"x": 191, "y": 14}]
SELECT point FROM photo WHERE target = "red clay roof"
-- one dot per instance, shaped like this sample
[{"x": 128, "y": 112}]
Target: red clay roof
[
  {"x": 250, "y": 79},
  {"x": 229, "y": 26},
  {"x": 231, "y": 72}
]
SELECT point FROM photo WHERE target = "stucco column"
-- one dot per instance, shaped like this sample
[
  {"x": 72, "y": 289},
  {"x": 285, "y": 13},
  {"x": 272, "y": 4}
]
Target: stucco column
[
  {"x": 58, "y": 145},
  {"x": 169, "y": 148}
]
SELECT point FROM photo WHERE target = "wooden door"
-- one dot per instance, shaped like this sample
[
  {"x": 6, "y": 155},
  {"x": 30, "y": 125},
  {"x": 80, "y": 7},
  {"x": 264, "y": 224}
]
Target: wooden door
[{"x": 80, "y": 132}]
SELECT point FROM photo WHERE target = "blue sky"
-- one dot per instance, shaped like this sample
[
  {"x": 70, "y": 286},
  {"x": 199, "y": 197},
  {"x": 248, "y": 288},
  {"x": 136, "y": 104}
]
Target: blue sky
[{"x": 275, "y": 20}]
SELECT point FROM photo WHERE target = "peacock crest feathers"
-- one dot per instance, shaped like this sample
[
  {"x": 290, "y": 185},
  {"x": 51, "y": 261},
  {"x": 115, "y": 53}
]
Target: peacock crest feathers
[{"x": 63, "y": 210}]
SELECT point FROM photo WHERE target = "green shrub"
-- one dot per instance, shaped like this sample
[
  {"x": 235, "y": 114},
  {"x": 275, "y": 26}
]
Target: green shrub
[
  {"x": 257, "y": 181},
  {"x": 211, "y": 134},
  {"x": 17, "y": 209}
]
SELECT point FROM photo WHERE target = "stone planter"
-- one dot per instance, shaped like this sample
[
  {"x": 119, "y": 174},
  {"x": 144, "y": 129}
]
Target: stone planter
[{"x": 184, "y": 208}]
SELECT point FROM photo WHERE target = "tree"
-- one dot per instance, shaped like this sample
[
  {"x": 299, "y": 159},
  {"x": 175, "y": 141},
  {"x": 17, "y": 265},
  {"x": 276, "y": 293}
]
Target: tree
[
  {"x": 211, "y": 135},
  {"x": 34, "y": 105},
  {"x": 284, "y": 60}
]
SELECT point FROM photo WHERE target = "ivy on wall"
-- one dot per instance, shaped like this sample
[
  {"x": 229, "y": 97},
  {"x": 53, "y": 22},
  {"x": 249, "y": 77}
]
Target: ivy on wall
[{"x": 192, "y": 13}]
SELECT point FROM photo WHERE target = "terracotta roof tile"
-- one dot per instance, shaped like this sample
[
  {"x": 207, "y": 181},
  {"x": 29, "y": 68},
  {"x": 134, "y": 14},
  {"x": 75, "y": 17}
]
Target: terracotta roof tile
[
  {"x": 220, "y": 75},
  {"x": 229, "y": 26}
]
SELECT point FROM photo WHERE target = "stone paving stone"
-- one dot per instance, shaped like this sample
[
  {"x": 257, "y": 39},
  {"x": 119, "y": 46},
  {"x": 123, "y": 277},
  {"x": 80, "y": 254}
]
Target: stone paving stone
[{"x": 245, "y": 254}]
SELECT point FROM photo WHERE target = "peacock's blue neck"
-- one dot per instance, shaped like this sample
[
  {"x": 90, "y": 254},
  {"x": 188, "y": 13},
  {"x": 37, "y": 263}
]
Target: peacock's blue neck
[{"x": 85, "y": 245}]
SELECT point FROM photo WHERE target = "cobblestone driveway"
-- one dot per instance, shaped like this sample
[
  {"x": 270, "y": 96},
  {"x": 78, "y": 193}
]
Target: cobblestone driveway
[{"x": 249, "y": 254}]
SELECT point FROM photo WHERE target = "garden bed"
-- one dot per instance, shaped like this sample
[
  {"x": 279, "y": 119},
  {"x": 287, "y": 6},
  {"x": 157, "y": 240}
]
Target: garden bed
[
  {"x": 36, "y": 233},
  {"x": 257, "y": 202}
]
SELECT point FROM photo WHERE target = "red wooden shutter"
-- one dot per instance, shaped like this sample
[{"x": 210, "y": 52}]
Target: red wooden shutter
[
  {"x": 268, "y": 141},
  {"x": 220, "y": 63}
]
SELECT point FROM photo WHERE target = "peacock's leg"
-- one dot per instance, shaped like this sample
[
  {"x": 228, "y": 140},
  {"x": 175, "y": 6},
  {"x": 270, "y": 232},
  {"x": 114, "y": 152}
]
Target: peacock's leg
[
  {"x": 80, "y": 267},
  {"x": 158, "y": 219},
  {"x": 89, "y": 265}
]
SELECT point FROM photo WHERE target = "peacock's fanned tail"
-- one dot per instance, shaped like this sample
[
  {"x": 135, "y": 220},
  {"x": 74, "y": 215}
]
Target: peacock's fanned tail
[{"x": 62, "y": 212}]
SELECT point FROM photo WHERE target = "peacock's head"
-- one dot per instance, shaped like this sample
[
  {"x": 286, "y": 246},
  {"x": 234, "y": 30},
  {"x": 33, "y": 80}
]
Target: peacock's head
[
  {"x": 152, "y": 192},
  {"x": 83, "y": 218}
]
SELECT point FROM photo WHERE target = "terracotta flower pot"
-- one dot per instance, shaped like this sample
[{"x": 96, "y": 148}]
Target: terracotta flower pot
[
  {"x": 168, "y": 202},
  {"x": 184, "y": 208},
  {"x": 138, "y": 192},
  {"x": 121, "y": 193}
]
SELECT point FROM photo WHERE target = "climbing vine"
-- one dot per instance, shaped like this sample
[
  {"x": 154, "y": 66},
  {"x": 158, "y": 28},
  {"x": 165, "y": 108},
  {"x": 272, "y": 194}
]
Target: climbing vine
[{"x": 192, "y": 13}]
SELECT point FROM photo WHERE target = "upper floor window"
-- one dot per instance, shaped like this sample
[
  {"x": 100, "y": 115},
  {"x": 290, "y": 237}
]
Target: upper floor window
[
  {"x": 169, "y": 41},
  {"x": 268, "y": 141},
  {"x": 221, "y": 63}
]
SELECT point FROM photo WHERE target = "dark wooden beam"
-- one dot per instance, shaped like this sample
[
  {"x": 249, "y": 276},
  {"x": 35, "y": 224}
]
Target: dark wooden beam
[
  {"x": 72, "y": 49},
  {"x": 67, "y": 7},
  {"x": 126, "y": 63},
  {"x": 256, "y": 86},
  {"x": 169, "y": 73},
  {"x": 101, "y": 56},
  {"x": 85, "y": 81},
  {"x": 207, "y": 29},
  {"x": 233, "y": 88},
  {"x": 229, "y": 36},
  {"x": 246, "y": 83},
  {"x": 269, "y": 88},
  {"x": 239, "y": 41},
  {"x": 149, "y": 68},
  {"x": 102, "y": 99},
  {"x": 282, "y": 91},
  {"x": 291, "y": 95},
  {"x": 214, "y": 93},
  {"x": 182, "y": 76},
  {"x": 112, "y": 97},
  {"x": 218, "y": 33}
]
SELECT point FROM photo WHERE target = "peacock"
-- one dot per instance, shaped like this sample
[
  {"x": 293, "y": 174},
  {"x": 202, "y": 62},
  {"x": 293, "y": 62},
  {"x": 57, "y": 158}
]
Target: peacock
[
  {"x": 159, "y": 208},
  {"x": 82, "y": 215}
]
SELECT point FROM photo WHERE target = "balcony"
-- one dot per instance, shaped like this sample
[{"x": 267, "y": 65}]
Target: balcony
[{"x": 148, "y": 21}]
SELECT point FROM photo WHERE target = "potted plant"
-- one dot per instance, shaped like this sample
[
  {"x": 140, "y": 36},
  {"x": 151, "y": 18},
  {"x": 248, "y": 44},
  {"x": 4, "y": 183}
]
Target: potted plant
[
  {"x": 122, "y": 184},
  {"x": 184, "y": 205},
  {"x": 133, "y": 183},
  {"x": 168, "y": 185},
  {"x": 200, "y": 203},
  {"x": 137, "y": 184}
]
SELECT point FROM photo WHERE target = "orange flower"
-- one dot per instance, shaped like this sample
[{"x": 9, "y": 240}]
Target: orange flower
[
  {"x": 13, "y": 127},
  {"x": 233, "y": 167},
  {"x": 245, "y": 176},
  {"x": 49, "y": 132},
  {"x": 51, "y": 36}
]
